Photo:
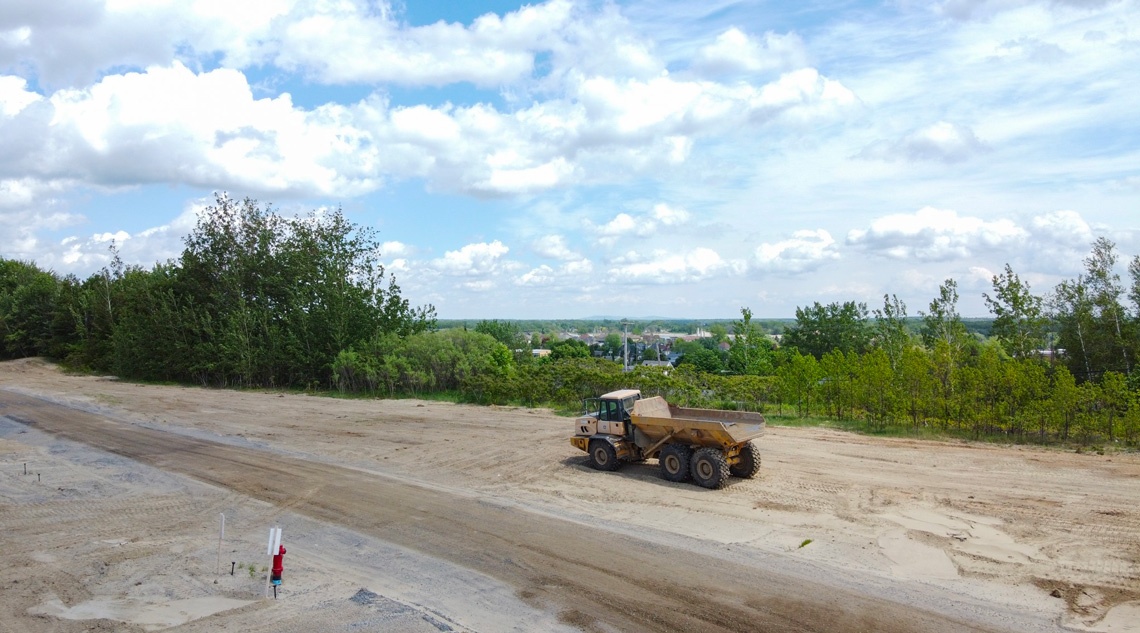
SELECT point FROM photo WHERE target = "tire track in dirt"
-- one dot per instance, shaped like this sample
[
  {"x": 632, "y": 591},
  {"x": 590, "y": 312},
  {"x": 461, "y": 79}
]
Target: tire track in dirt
[{"x": 594, "y": 579}]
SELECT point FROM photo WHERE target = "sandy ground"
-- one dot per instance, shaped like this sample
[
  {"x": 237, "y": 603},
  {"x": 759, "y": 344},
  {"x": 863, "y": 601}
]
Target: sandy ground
[{"x": 118, "y": 537}]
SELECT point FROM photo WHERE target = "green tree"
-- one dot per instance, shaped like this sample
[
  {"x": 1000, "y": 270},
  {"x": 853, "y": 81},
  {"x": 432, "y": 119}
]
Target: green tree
[
  {"x": 943, "y": 323},
  {"x": 891, "y": 333},
  {"x": 837, "y": 382},
  {"x": 877, "y": 387},
  {"x": 750, "y": 350},
  {"x": 1064, "y": 401},
  {"x": 798, "y": 380},
  {"x": 1019, "y": 319},
  {"x": 569, "y": 348},
  {"x": 915, "y": 380},
  {"x": 1073, "y": 310},
  {"x": 704, "y": 359},
  {"x": 719, "y": 332},
  {"x": 613, "y": 346},
  {"x": 1094, "y": 329},
  {"x": 1105, "y": 291},
  {"x": 820, "y": 329},
  {"x": 1115, "y": 396},
  {"x": 28, "y": 298}
]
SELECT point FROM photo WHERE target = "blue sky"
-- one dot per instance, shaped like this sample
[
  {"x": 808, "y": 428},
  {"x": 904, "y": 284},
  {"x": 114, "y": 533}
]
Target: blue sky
[{"x": 567, "y": 159}]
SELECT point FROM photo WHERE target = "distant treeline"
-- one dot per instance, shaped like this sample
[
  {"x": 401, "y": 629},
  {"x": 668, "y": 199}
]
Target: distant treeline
[
  {"x": 259, "y": 300},
  {"x": 980, "y": 326}
]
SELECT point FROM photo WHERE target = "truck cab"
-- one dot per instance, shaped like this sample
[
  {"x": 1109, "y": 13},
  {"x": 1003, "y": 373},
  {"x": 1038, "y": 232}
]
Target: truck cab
[
  {"x": 609, "y": 414},
  {"x": 604, "y": 429}
]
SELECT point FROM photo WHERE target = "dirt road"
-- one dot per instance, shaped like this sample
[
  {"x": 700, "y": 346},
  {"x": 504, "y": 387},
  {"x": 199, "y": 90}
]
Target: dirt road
[{"x": 905, "y": 536}]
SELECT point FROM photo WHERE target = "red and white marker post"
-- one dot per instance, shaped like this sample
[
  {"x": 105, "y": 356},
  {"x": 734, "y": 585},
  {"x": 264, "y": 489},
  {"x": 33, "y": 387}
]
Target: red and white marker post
[{"x": 276, "y": 553}]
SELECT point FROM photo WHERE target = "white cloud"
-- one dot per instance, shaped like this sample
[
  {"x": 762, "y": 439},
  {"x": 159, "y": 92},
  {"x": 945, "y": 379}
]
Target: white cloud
[
  {"x": 541, "y": 276},
  {"x": 642, "y": 224},
  {"x": 172, "y": 125},
  {"x": 473, "y": 259},
  {"x": 806, "y": 250},
  {"x": 394, "y": 249},
  {"x": 942, "y": 142},
  {"x": 669, "y": 216},
  {"x": 15, "y": 96},
  {"x": 1064, "y": 227},
  {"x": 1060, "y": 242},
  {"x": 931, "y": 234},
  {"x": 325, "y": 40},
  {"x": 554, "y": 247},
  {"x": 669, "y": 268},
  {"x": 736, "y": 51},
  {"x": 568, "y": 274},
  {"x": 622, "y": 224}
]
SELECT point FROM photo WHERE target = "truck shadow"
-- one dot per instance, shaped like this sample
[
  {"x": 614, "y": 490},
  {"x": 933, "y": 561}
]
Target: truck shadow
[{"x": 647, "y": 471}]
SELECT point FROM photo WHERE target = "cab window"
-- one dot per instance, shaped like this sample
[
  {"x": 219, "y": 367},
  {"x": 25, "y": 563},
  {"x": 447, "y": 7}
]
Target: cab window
[{"x": 611, "y": 411}]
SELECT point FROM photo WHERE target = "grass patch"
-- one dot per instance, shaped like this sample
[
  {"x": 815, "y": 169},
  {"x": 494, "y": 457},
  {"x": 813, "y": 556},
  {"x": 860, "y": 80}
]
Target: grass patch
[{"x": 807, "y": 541}]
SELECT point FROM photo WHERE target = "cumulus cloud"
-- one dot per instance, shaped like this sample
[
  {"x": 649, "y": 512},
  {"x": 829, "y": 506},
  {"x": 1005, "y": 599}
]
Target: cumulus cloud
[
  {"x": 642, "y": 224},
  {"x": 83, "y": 254},
  {"x": 942, "y": 142},
  {"x": 170, "y": 124},
  {"x": 395, "y": 249},
  {"x": 806, "y": 250},
  {"x": 569, "y": 273},
  {"x": 622, "y": 224},
  {"x": 554, "y": 247},
  {"x": 324, "y": 40},
  {"x": 1060, "y": 241},
  {"x": 71, "y": 42},
  {"x": 734, "y": 51},
  {"x": 931, "y": 234},
  {"x": 473, "y": 259},
  {"x": 541, "y": 276},
  {"x": 665, "y": 267},
  {"x": 669, "y": 216},
  {"x": 1062, "y": 227}
]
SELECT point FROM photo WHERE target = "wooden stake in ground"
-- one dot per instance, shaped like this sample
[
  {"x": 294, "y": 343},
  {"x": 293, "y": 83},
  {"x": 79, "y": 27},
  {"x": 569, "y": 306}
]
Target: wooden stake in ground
[{"x": 221, "y": 535}]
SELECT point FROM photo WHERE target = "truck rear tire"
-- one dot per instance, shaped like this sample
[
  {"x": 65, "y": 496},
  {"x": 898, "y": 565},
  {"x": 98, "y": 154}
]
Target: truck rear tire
[
  {"x": 674, "y": 460},
  {"x": 603, "y": 456},
  {"x": 710, "y": 468},
  {"x": 749, "y": 463}
]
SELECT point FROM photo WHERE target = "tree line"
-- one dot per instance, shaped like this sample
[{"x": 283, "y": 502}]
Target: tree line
[
  {"x": 260, "y": 300},
  {"x": 254, "y": 300}
]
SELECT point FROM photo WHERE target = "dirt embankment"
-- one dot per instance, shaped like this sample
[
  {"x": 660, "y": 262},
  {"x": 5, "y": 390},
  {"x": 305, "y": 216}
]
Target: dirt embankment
[{"x": 904, "y": 535}]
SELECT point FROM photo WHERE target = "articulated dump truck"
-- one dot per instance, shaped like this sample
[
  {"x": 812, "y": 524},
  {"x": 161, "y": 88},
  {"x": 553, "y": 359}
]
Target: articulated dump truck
[{"x": 699, "y": 444}]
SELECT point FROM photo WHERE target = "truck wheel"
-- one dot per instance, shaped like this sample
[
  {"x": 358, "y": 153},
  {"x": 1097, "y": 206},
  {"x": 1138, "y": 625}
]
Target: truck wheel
[
  {"x": 674, "y": 461},
  {"x": 749, "y": 463},
  {"x": 603, "y": 456},
  {"x": 710, "y": 468}
]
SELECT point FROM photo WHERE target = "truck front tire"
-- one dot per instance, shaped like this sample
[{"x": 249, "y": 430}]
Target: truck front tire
[
  {"x": 603, "y": 456},
  {"x": 710, "y": 468},
  {"x": 675, "y": 462}
]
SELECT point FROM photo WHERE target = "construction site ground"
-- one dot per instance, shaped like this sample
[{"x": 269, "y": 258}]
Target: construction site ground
[{"x": 412, "y": 515}]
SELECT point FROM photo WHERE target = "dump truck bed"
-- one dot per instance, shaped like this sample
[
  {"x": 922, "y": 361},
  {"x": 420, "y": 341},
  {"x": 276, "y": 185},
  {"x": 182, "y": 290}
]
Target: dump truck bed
[{"x": 658, "y": 419}]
